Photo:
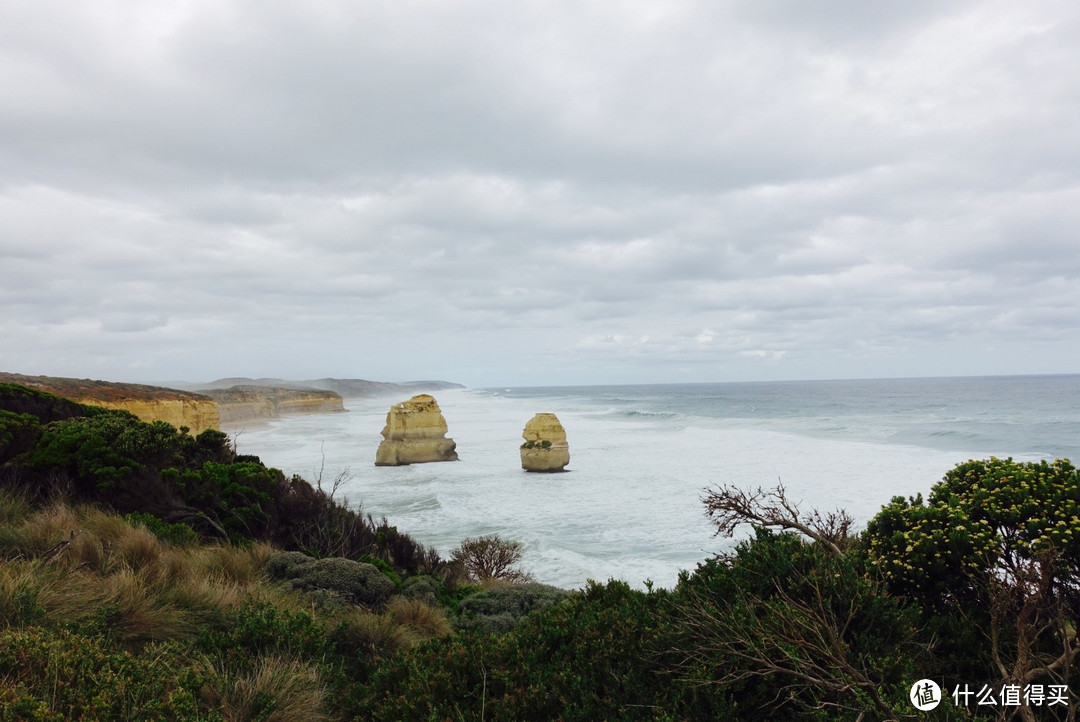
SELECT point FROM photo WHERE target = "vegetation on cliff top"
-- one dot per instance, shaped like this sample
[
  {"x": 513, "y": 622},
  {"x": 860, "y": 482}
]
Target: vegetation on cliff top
[
  {"x": 163, "y": 576},
  {"x": 99, "y": 390}
]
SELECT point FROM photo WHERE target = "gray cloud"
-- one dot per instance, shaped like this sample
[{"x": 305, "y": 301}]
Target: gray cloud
[{"x": 539, "y": 192}]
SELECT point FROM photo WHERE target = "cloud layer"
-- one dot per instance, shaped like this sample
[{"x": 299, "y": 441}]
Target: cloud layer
[{"x": 539, "y": 192}]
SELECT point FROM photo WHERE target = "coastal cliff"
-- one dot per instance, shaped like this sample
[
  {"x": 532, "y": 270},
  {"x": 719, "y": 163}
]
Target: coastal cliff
[
  {"x": 346, "y": 388},
  {"x": 239, "y": 404},
  {"x": 150, "y": 403},
  {"x": 226, "y": 402}
]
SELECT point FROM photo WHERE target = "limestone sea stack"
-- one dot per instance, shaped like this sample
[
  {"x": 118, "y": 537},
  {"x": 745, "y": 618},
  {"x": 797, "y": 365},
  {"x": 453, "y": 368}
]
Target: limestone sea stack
[
  {"x": 545, "y": 447},
  {"x": 415, "y": 433}
]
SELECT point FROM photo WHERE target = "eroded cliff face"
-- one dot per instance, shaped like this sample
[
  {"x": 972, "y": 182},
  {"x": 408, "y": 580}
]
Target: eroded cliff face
[
  {"x": 545, "y": 447},
  {"x": 197, "y": 415},
  {"x": 415, "y": 433},
  {"x": 241, "y": 404},
  {"x": 149, "y": 403}
]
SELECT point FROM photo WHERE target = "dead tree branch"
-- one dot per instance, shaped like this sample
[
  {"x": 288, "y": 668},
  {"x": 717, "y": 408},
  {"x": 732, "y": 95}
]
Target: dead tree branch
[{"x": 729, "y": 507}]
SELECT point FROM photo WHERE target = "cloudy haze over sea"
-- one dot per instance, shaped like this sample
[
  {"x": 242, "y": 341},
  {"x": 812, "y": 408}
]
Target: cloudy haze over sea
[{"x": 539, "y": 192}]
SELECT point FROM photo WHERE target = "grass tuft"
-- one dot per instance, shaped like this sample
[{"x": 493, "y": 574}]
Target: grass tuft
[
  {"x": 241, "y": 565},
  {"x": 273, "y": 688},
  {"x": 14, "y": 507},
  {"x": 361, "y": 633},
  {"x": 420, "y": 618}
]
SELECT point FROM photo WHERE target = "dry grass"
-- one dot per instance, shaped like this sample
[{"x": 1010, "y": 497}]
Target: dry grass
[
  {"x": 14, "y": 507},
  {"x": 31, "y": 591},
  {"x": 242, "y": 565},
  {"x": 85, "y": 551},
  {"x": 141, "y": 613},
  {"x": 20, "y": 589},
  {"x": 72, "y": 564},
  {"x": 208, "y": 601},
  {"x": 291, "y": 689},
  {"x": 136, "y": 549},
  {"x": 106, "y": 525},
  {"x": 373, "y": 635},
  {"x": 420, "y": 618},
  {"x": 40, "y": 532},
  {"x": 172, "y": 568}
]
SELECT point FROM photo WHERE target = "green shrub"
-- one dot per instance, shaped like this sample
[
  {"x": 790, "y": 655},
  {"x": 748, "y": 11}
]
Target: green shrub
[
  {"x": 499, "y": 609},
  {"x": 983, "y": 515},
  {"x": 240, "y": 496},
  {"x": 424, "y": 588},
  {"x": 259, "y": 628},
  {"x": 334, "y": 578},
  {"x": 360, "y": 583},
  {"x": 285, "y": 565},
  {"x": 992, "y": 557},
  {"x": 44, "y": 406},
  {"x": 18, "y": 434},
  {"x": 783, "y": 626},
  {"x": 383, "y": 567},
  {"x": 178, "y": 534},
  {"x": 595, "y": 655},
  {"x": 58, "y": 675}
]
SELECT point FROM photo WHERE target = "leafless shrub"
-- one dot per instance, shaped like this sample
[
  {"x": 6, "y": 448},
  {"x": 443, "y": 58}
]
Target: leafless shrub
[
  {"x": 1032, "y": 630},
  {"x": 491, "y": 558},
  {"x": 729, "y": 507}
]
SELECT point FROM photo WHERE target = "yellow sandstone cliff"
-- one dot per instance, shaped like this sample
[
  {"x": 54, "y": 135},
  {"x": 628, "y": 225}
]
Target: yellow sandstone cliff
[
  {"x": 240, "y": 404},
  {"x": 150, "y": 403}
]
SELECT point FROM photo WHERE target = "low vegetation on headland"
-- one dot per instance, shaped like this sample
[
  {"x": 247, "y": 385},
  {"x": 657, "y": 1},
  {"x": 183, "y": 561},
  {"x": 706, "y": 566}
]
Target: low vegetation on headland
[{"x": 148, "y": 574}]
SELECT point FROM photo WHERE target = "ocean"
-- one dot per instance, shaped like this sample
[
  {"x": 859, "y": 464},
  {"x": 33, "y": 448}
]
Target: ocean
[{"x": 641, "y": 457}]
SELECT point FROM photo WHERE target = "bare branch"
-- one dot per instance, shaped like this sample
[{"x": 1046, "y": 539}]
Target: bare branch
[
  {"x": 729, "y": 507},
  {"x": 60, "y": 546},
  {"x": 491, "y": 558}
]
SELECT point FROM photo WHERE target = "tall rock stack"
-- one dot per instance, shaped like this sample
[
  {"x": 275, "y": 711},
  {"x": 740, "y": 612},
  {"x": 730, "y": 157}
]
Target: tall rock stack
[
  {"x": 415, "y": 433},
  {"x": 545, "y": 447}
]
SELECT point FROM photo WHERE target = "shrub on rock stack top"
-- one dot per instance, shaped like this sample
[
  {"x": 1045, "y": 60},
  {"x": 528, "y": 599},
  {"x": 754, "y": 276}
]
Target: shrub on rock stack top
[
  {"x": 545, "y": 447},
  {"x": 415, "y": 433}
]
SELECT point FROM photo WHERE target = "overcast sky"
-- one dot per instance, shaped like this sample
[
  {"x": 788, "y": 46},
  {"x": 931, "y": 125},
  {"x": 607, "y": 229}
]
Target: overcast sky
[{"x": 534, "y": 193}]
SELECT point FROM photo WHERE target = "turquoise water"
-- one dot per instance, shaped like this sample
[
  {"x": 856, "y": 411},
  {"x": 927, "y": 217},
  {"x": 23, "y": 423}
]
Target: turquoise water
[{"x": 642, "y": 456}]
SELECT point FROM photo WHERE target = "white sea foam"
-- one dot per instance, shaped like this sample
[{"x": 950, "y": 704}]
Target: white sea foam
[{"x": 629, "y": 508}]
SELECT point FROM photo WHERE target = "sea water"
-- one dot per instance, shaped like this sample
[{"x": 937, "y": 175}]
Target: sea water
[{"x": 642, "y": 457}]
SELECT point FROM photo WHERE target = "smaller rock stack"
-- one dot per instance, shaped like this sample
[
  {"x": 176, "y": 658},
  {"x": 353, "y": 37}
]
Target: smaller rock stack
[
  {"x": 415, "y": 433},
  {"x": 545, "y": 447}
]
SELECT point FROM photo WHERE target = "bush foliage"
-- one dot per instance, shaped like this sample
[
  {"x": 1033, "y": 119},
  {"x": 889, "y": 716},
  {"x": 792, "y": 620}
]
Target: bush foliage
[
  {"x": 162, "y": 576},
  {"x": 156, "y": 470}
]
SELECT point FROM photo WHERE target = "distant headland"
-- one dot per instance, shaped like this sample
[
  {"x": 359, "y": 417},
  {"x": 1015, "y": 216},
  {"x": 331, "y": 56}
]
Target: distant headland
[{"x": 224, "y": 402}]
